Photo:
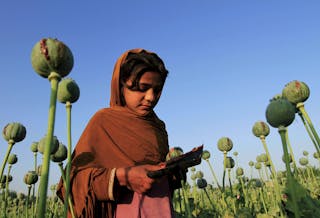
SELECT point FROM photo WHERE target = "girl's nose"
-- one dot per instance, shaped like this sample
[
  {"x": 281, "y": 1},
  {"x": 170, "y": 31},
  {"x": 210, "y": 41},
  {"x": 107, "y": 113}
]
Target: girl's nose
[{"x": 149, "y": 96}]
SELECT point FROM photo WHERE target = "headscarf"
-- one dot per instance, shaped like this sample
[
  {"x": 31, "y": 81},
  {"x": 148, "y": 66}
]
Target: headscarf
[
  {"x": 115, "y": 99},
  {"x": 113, "y": 138}
]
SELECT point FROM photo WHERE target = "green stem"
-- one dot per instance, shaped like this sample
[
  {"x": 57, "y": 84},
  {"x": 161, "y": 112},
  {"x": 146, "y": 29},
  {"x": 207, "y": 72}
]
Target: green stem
[
  {"x": 291, "y": 152},
  {"x": 7, "y": 191},
  {"x": 186, "y": 199},
  {"x": 263, "y": 201},
  {"x": 33, "y": 186},
  {"x": 282, "y": 131},
  {"x": 5, "y": 160},
  {"x": 69, "y": 200},
  {"x": 211, "y": 203},
  {"x": 224, "y": 170},
  {"x": 27, "y": 201},
  {"x": 229, "y": 177},
  {"x": 244, "y": 192},
  {"x": 300, "y": 106},
  {"x": 273, "y": 171},
  {"x": 54, "y": 80},
  {"x": 309, "y": 132},
  {"x": 214, "y": 175},
  {"x": 68, "y": 168}
]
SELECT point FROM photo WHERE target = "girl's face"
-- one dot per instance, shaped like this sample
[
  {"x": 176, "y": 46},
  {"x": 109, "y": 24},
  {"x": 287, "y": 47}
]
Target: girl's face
[{"x": 143, "y": 100}]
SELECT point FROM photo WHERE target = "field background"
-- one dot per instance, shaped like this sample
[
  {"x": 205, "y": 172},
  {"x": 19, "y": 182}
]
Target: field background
[{"x": 226, "y": 60}]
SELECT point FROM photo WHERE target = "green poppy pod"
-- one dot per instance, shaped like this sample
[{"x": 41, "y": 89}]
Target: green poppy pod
[
  {"x": 199, "y": 174},
  {"x": 305, "y": 153},
  {"x": 264, "y": 158},
  {"x": 30, "y": 178},
  {"x": 296, "y": 91},
  {"x": 21, "y": 196},
  {"x": 267, "y": 163},
  {"x": 54, "y": 146},
  {"x": 251, "y": 163},
  {"x": 260, "y": 128},
  {"x": 174, "y": 152},
  {"x": 280, "y": 112},
  {"x": 15, "y": 202},
  {"x": 258, "y": 165},
  {"x": 239, "y": 171},
  {"x": 258, "y": 158},
  {"x": 258, "y": 183},
  {"x": 193, "y": 169},
  {"x": 281, "y": 174},
  {"x": 193, "y": 176},
  {"x": 229, "y": 162},
  {"x": 225, "y": 144},
  {"x": 316, "y": 155},
  {"x": 202, "y": 183},
  {"x": 303, "y": 161},
  {"x": 205, "y": 155},
  {"x": 68, "y": 91},
  {"x": 235, "y": 153},
  {"x": 55, "y": 199},
  {"x": 51, "y": 55},
  {"x": 61, "y": 154},
  {"x": 53, "y": 187},
  {"x": 9, "y": 178},
  {"x": 3, "y": 179},
  {"x": 290, "y": 159},
  {"x": 15, "y": 132},
  {"x": 34, "y": 147},
  {"x": 12, "y": 159}
]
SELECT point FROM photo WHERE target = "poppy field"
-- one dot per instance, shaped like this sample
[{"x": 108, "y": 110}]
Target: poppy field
[{"x": 293, "y": 192}]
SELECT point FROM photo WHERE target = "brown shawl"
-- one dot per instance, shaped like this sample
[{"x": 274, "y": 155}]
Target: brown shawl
[{"x": 113, "y": 138}]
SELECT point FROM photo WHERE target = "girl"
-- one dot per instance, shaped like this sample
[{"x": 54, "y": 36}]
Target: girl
[{"x": 120, "y": 144}]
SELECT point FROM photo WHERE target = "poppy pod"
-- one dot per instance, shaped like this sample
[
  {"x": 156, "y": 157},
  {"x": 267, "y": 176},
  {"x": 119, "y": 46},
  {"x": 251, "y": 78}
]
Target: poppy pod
[
  {"x": 54, "y": 146},
  {"x": 68, "y": 91},
  {"x": 199, "y": 174},
  {"x": 51, "y": 55},
  {"x": 260, "y": 128},
  {"x": 239, "y": 171},
  {"x": 201, "y": 183},
  {"x": 60, "y": 155},
  {"x": 225, "y": 144},
  {"x": 303, "y": 161},
  {"x": 280, "y": 112},
  {"x": 14, "y": 131},
  {"x": 34, "y": 147},
  {"x": 12, "y": 159},
  {"x": 296, "y": 91},
  {"x": 205, "y": 155},
  {"x": 174, "y": 152},
  {"x": 229, "y": 162},
  {"x": 30, "y": 178}
]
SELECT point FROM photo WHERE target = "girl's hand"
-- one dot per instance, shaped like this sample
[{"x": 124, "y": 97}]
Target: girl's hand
[{"x": 135, "y": 178}]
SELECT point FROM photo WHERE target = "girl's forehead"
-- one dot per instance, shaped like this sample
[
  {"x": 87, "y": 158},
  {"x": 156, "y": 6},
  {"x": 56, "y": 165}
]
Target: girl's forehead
[{"x": 151, "y": 77}]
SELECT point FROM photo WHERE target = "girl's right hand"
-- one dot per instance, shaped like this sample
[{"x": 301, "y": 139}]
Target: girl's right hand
[{"x": 135, "y": 178}]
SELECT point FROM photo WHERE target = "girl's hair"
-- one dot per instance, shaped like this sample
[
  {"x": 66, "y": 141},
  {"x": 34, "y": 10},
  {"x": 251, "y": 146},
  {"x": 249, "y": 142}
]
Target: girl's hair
[{"x": 136, "y": 64}]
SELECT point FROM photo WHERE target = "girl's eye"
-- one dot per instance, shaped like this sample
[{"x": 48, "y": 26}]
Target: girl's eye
[{"x": 144, "y": 88}]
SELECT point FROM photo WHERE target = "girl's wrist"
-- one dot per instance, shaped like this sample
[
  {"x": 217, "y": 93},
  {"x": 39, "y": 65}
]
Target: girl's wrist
[{"x": 120, "y": 176}]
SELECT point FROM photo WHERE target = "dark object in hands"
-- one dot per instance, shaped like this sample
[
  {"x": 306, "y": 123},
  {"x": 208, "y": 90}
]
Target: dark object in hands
[{"x": 181, "y": 162}]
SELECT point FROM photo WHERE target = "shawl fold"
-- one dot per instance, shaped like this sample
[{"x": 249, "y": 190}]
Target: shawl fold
[{"x": 113, "y": 138}]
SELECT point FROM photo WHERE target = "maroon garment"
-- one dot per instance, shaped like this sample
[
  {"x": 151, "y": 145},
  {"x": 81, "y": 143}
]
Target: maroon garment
[{"x": 113, "y": 138}]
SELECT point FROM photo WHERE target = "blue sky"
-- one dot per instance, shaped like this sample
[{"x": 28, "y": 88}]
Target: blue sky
[{"x": 226, "y": 59}]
